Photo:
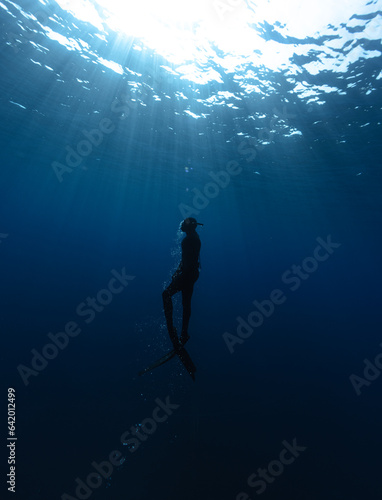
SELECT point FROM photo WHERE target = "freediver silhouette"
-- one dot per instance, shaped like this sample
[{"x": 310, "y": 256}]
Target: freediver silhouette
[{"x": 183, "y": 280}]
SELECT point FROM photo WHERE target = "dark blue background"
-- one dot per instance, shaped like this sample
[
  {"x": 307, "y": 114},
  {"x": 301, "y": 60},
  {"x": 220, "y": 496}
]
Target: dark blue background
[{"x": 290, "y": 379}]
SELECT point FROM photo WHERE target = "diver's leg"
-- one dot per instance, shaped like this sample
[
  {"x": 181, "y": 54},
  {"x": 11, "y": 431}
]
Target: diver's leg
[
  {"x": 168, "y": 310},
  {"x": 186, "y": 302},
  {"x": 167, "y": 306},
  {"x": 187, "y": 291}
]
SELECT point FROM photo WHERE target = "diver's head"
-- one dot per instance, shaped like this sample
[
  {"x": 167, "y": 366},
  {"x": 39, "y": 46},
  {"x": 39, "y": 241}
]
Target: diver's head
[{"x": 189, "y": 225}]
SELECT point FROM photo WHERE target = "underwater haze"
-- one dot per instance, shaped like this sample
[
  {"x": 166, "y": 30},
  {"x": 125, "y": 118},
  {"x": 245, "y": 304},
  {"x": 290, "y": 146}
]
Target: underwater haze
[{"x": 260, "y": 119}]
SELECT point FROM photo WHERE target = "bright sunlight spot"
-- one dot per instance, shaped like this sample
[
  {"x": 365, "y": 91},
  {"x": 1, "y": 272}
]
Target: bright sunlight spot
[{"x": 228, "y": 32}]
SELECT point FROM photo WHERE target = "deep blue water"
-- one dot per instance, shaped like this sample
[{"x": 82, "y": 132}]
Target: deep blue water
[{"x": 305, "y": 168}]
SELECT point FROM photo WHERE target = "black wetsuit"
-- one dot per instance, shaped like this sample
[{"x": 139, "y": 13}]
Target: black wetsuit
[{"x": 183, "y": 281}]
